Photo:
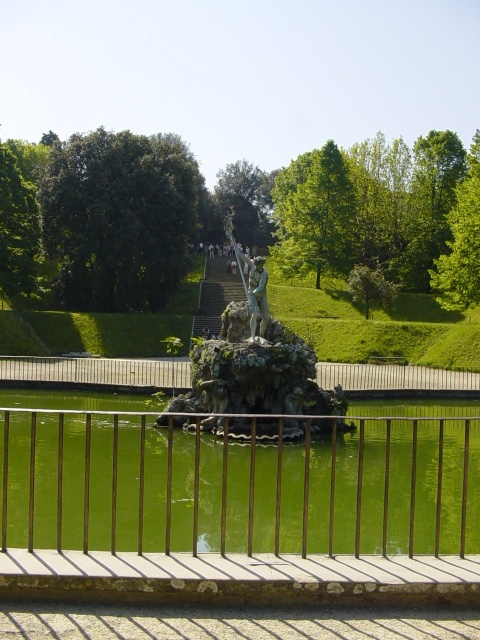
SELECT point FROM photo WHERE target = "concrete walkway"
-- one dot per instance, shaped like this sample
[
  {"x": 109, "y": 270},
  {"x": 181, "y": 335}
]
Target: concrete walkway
[
  {"x": 125, "y": 596},
  {"x": 148, "y": 374},
  {"x": 261, "y": 578}
]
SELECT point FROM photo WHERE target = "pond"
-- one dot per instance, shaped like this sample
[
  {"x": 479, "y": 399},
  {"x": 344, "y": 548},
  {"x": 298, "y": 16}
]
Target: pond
[{"x": 211, "y": 460}]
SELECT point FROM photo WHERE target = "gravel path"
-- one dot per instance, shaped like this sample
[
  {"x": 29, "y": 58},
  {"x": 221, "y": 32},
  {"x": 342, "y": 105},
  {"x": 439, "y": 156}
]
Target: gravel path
[{"x": 95, "y": 622}]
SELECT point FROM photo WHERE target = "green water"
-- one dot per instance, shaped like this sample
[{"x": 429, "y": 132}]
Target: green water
[{"x": 211, "y": 461}]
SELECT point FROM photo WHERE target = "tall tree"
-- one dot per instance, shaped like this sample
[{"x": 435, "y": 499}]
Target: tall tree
[
  {"x": 473, "y": 158},
  {"x": 440, "y": 165},
  {"x": 19, "y": 228},
  {"x": 241, "y": 185},
  {"x": 118, "y": 213},
  {"x": 49, "y": 139},
  {"x": 314, "y": 214},
  {"x": 456, "y": 275},
  {"x": 381, "y": 175},
  {"x": 31, "y": 158}
]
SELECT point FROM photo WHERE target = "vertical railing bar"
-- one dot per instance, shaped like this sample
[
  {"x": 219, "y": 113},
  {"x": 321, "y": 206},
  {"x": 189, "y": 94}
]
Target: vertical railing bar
[
  {"x": 386, "y": 488},
  {"x": 6, "y": 432},
  {"x": 464, "y": 488},
  {"x": 412, "y": 488},
  {"x": 31, "y": 504},
  {"x": 168, "y": 515},
  {"x": 439, "y": 487},
  {"x": 251, "y": 496},
  {"x": 196, "y": 488},
  {"x": 359, "y": 488},
  {"x": 306, "y": 489},
  {"x": 332, "y": 488},
  {"x": 141, "y": 486},
  {"x": 223, "y": 523},
  {"x": 279, "y": 486},
  {"x": 114, "y": 485},
  {"x": 61, "y": 420},
  {"x": 86, "y": 499}
]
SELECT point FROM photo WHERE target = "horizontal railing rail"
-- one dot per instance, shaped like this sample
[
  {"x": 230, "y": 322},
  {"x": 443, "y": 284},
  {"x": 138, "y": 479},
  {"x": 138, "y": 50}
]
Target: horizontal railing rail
[
  {"x": 378, "y": 377},
  {"x": 126, "y": 484},
  {"x": 166, "y": 373},
  {"x": 175, "y": 373}
]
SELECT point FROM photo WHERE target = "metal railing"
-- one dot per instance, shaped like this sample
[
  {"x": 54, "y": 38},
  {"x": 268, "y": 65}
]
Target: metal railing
[
  {"x": 366, "y": 377},
  {"x": 168, "y": 373},
  {"x": 396, "y": 494}
]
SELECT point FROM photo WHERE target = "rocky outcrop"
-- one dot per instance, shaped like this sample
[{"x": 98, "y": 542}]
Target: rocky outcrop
[{"x": 262, "y": 377}]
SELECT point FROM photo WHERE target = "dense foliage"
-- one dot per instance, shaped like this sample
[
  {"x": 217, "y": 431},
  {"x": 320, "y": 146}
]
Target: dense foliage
[
  {"x": 457, "y": 273},
  {"x": 315, "y": 214},
  {"x": 248, "y": 189},
  {"x": 19, "y": 228},
  {"x": 373, "y": 205},
  {"x": 370, "y": 287},
  {"x": 118, "y": 213}
]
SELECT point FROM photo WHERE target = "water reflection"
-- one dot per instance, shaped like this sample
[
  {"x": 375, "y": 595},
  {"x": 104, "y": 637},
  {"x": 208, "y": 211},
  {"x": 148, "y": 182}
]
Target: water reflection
[{"x": 238, "y": 466}]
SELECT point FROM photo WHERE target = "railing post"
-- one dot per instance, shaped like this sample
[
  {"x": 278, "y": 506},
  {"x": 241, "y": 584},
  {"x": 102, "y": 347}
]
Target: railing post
[
  {"x": 413, "y": 488},
  {"x": 332, "y": 488},
  {"x": 196, "y": 488},
  {"x": 439, "y": 488},
  {"x": 223, "y": 523},
  {"x": 306, "y": 491},
  {"x": 168, "y": 515},
  {"x": 31, "y": 504},
  {"x": 114, "y": 485},
  {"x": 60, "y": 481},
  {"x": 386, "y": 488},
  {"x": 251, "y": 497},
  {"x": 464, "y": 488},
  {"x": 279, "y": 487},
  {"x": 358, "y": 516},
  {"x": 6, "y": 430},
  {"x": 86, "y": 498},
  {"x": 141, "y": 486}
]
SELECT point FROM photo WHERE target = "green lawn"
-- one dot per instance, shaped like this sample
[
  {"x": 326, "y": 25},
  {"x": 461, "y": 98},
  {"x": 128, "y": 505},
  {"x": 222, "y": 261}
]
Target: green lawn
[{"x": 417, "y": 329}]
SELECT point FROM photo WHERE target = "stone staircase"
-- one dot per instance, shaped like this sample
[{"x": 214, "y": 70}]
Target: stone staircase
[{"x": 218, "y": 289}]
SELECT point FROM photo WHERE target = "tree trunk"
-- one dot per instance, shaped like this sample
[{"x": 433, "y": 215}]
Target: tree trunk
[{"x": 317, "y": 283}]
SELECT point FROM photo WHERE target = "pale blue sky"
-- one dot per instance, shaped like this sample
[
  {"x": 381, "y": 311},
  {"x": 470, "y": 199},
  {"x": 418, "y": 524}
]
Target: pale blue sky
[{"x": 264, "y": 80}]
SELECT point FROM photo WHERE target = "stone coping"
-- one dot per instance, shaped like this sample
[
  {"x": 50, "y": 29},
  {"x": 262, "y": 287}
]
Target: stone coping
[{"x": 234, "y": 578}]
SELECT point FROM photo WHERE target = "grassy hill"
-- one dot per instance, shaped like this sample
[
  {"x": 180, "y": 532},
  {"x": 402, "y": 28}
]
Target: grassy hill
[{"x": 417, "y": 329}]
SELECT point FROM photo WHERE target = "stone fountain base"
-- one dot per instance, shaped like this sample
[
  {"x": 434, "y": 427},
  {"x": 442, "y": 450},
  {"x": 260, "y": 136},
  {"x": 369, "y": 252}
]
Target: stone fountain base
[{"x": 262, "y": 377}]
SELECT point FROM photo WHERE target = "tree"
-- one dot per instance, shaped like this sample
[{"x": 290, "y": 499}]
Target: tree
[
  {"x": 242, "y": 185},
  {"x": 49, "y": 139},
  {"x": 473, "y": 157},
  {"x": 440, "y": 165},
  {"x": 457, "y": 273},
  {"x": 314, "y": 213},
  {"x": 369, "y": 287},
  {"x": 31, "y": 158},
  {"x": 381, "y": 175},
  {"x": 19, "y": 228},
  {"x": 118, "y": 213}
]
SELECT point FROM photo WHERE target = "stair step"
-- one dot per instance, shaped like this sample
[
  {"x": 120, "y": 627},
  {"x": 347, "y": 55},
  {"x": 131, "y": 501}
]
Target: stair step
[
  {"x": 218, "y": 289},
  {"x": 213, "y": 324}
]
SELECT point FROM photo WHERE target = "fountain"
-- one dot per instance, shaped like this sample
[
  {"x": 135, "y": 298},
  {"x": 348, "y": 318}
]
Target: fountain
[{"x": 266, "y": 375}]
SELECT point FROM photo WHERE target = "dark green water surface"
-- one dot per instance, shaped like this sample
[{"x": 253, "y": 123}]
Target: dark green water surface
[{"x": 210, "y": 485}]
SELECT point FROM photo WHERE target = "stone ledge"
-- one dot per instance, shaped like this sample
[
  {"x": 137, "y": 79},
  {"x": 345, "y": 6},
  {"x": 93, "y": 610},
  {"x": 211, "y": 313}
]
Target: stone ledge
[{"x": 261, "y": 579}]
